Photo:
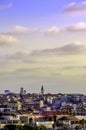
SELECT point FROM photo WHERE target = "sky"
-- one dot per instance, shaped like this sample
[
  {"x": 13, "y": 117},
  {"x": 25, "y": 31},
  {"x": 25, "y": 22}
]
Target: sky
[{"x": 43, "y": 42}]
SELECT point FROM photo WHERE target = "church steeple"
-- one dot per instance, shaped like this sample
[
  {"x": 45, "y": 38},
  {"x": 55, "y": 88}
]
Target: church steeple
[{"x": 42, "y": 90}]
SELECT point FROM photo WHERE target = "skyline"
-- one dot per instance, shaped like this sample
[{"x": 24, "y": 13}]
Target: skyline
[{"x": 43, "y": 42}]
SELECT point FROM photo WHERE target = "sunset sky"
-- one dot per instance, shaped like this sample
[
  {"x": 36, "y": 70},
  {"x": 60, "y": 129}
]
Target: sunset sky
[{"x": 43, "y": 42}]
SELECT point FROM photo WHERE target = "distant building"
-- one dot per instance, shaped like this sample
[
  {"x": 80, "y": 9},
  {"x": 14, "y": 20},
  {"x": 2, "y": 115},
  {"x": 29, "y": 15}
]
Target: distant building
[
  {"x": 22, "y": 91},
  {"x": 7, "y": 91},
  {"x": 47, "y": 124},
  {"x": 15, "y": 105}
]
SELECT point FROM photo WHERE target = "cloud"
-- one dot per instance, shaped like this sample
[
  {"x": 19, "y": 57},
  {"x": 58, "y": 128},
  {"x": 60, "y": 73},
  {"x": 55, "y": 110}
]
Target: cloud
[
  {"x": 73, "y": 48},
  {"x": 81, "y": 26},
  {"x": 74, "y": 67},
  {"x": 31, "y": 69},
  {"x": 7, "y": 40},
  {"x": 77, "y": 8},
  {"x": 5, "y": 6},
  {"x": 55, "y": 31},
  {"x": 52, "y": 31},
  {"x": 37, "y": 56},
  {"x": 10, "y": 37},
  {"x": 19, "y": 55},
  {"x": 21, "y": 30}
]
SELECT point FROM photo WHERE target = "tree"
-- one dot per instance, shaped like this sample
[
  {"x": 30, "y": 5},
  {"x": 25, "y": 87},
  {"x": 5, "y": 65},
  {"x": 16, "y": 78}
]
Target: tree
[
  {"x": 83, "y": 123},
  {"x": 41, "y": 127},
  {"x": 28, "y": 127},
  {"x": 19, "y": 127},
  {"x": 53, "y": 126},
  {"x": 10, "y": 127},
  {"x": 31, "y": 121},
  {"x": 13, "y": 127},
  {"x": 77, "y": 128}
]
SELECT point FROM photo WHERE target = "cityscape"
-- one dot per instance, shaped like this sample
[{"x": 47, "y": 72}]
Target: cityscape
[
  {"x": 53, "y": 111},
  {"x": 42, "y": 64}
]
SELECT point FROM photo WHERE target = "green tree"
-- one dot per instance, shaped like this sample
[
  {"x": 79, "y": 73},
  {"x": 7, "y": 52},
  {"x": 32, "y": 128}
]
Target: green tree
[
  {"x": 41, "y": 127},
  {"x": 19, "y": 127},
  {"x": 10, "y": 127},
  {"x": 28, "y": 127},
  {"x": 13, "y": 127}
]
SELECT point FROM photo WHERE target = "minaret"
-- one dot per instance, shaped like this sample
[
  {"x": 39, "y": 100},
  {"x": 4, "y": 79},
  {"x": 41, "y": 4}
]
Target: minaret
[{"x": 42, "y": 90}]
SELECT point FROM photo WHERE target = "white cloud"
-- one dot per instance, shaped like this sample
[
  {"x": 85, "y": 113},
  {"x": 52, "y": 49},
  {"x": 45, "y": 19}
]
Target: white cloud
[
  {"x": 7, "y": 40},
  {"x": 81, "y": 26},
  {"x": 76, "y": 7},
  {"x": 5, "y": 6},
  {"x": 52, "y": 31},
  {"x": 21, "y": 30}
]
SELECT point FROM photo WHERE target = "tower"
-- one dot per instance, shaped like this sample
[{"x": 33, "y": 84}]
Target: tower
[
  {"x": 42, "y": 90},
  {"x": 21, "y": 91}
]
